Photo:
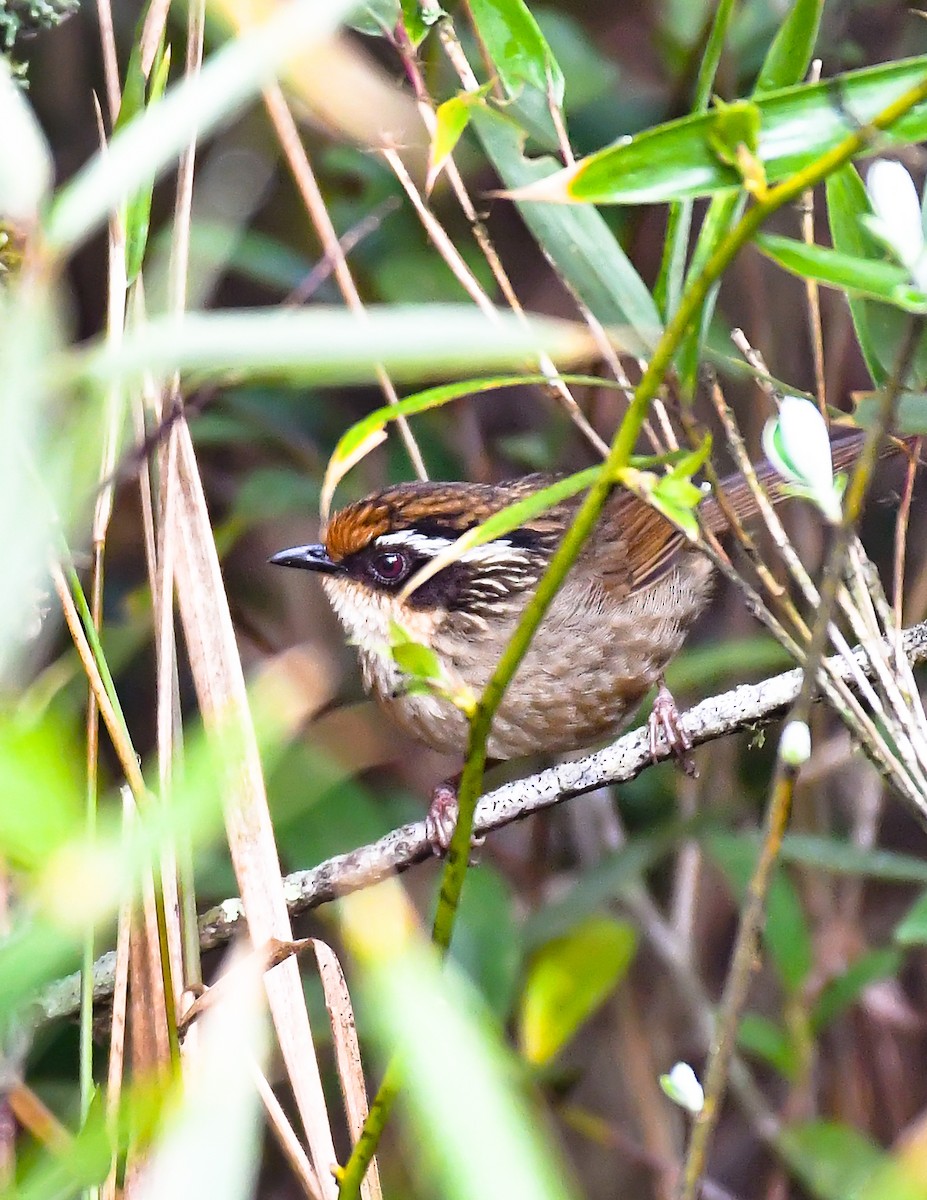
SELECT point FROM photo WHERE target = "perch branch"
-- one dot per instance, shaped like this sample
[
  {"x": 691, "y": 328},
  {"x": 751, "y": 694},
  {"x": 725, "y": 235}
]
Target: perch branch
[{"x": 750, "y": 705}]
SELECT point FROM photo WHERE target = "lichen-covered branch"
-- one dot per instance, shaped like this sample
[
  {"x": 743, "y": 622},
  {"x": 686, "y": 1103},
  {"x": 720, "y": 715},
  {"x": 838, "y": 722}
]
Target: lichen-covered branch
[{"x": 748, "y": 706}]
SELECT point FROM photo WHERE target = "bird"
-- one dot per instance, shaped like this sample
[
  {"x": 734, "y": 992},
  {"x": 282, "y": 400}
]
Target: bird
[{"x": 623, "y": 612}]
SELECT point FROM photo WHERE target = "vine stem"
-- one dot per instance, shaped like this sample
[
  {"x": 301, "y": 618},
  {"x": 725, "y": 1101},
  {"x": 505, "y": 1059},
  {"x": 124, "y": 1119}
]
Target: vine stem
[{"x": 622, "y": 447}]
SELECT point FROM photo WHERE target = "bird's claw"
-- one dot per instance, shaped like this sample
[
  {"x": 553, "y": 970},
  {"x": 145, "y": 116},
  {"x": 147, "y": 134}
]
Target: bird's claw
[
  {"x": 441, "y": 821},
  {"x": 664, "y": 719}
]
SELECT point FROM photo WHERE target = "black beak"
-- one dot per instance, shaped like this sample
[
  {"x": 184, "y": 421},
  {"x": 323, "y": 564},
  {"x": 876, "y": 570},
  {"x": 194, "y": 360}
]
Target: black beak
[{"x": 310, "y": 558}]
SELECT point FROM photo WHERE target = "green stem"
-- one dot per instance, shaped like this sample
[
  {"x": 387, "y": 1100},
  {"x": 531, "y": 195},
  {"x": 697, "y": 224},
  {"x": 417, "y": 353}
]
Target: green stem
[{"x": 619, "y": 455}]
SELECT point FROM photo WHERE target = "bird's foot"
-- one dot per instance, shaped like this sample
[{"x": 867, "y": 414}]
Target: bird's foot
[
  {"x": 664, "y": 719},
  {"x": 441, "y": 821}
]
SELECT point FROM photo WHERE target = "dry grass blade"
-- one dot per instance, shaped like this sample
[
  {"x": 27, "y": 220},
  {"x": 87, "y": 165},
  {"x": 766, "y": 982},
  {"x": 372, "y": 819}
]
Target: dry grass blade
[
  {"x": 347, "y": 1054},
  {"x": 304, "y": 176},
  {"x": 286, "y": 1137},
  {"x": 220, "y": 686},
  {"x": 117, "y": 1040}
]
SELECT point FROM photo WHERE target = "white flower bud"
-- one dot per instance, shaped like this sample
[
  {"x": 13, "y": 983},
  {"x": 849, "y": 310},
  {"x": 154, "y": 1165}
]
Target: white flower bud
[
  {"x": 683, "y": 1088},
  {"x": 898, "y": 220},
  {"x": 795, "y": 744},
  {"x": 797, "y": 444}
]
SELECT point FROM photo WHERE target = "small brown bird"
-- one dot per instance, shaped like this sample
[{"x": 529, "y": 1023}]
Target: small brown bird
[{"x": 621, "y": 615}]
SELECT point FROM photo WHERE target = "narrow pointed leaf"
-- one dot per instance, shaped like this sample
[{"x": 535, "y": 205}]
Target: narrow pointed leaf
[
  {"x": 451, "y": 119},
  {"x": 879, "y": 328},
  {"x": 789, "y": 56},
  {"x": 797, "y": 125},
  {"x": 878, "y": 280},
  {"x": 367, "y": 433},
  {"x": 577, "y": 239},
  {"x": 517, "y": 48}
]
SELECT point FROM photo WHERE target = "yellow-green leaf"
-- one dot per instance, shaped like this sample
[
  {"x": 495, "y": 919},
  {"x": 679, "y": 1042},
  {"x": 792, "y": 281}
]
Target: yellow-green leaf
[
  {"x": 568, "y": 979},
  {"x": 367, "y": 433},
  {"x": 451, "y": 119}
]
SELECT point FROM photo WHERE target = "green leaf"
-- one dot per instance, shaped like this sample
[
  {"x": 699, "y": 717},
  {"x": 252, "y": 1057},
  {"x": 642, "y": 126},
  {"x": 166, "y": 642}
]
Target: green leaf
[
  {"x": 879, "y": 328},
  {"x": 451, "y": 119},
  {"x": 844, "y": 990},
  {"x": 324, "y": 345},
  {"x": 876, "y": 279},
  {"x": 138, "y": 208},
  {"x": 609, "y": 878},
  {"x": 41, "y": 809},
  {"x": 460, "y": 1081},
  {"x": 797, "y": 125},
  {"x": 375, "y": 17},
  {"x": 367, "y": 433},
  {"x": 26, "y": 170},
  {"x": 150, "y": 142},
  {"x": 568, "y": 980},
  {"x": 786, "y": 933},
  {"x": 677, "y": 498},
  {"x": 577, "y": 239},
  {"x": 789, "y": 56},
  {"x": 833, "y": 1160},
  {"x": 766, "y": 1040},
  {"x": 487, "y": 938},
  {"x": 416, "y": 660},
  {"x": 416, "y": 25},
  {"x": 679, "y": 221},
  {"x": 910, "y": 414},
  {"x": 517, "y": 48},
  {"x": 723, "y": 212},
  {"x": 912, "y": 929},
  {"x": 845, "y": 858}
]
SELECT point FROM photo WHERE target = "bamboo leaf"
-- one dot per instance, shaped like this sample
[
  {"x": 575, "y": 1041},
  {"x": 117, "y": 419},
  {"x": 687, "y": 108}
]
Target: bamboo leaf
[
  {"x": 517, "y": 48},
  {"x": 879, "y": 328},
  {"x": 879, "y": 280},
  {"x": 586, "y": 253},
  {"x": 789, "y": 56},
  {"x": 797, "y": 125},
  {"x": 325, "y": 345},
  {"x": 366, "y": 434},
  {"x": 451, "y": 119},
  {"x": 910, "y": 415},
  {"x": 844, "y": 990}
]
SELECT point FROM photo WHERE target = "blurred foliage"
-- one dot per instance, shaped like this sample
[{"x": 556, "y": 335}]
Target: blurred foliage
[{"x": 592, "y": 943}]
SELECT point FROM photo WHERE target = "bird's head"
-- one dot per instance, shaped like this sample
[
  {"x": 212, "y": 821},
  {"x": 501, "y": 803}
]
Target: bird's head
[{"x": 372, "y": 548}]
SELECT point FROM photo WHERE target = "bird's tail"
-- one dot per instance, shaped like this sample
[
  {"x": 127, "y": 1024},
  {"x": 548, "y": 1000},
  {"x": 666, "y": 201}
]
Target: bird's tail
[{"x": 739, "y": 497}]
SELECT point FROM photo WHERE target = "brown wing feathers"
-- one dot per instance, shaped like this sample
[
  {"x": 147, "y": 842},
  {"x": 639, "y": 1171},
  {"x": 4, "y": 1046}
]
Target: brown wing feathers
[{"x": 653, "y": 542}]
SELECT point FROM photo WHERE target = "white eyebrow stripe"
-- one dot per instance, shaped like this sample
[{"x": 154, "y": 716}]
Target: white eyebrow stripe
[
  {"x": 501, "y": 549},
  {"x": 415, "y": 541}
]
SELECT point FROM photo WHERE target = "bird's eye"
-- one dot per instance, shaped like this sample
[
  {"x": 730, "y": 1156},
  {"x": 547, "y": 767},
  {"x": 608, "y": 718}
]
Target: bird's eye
[{"x": 389, "y": 566}]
